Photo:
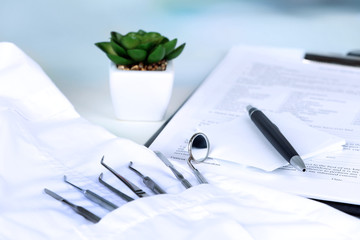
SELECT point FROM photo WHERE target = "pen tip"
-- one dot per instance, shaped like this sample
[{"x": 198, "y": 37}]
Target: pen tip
[
  {"x": 298, "y": 163},
  {"x": 248, "y": 107}
]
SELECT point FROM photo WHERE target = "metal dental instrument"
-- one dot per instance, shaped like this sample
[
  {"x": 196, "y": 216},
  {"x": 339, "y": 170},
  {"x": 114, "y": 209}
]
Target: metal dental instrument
[
  {"x": 198, "y": 148},
  {"x": 148, "y": 181},
  {"x": 78, "y": 209},
  {"x": 138, "y": 191},
  {"x": 94, "y": 197},
  {"x": 177, "y": 174},
  {"x": 114, "y": 190}
]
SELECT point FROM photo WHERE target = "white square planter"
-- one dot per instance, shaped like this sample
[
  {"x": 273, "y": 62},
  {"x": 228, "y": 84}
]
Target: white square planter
[{"x": 141, "y": 95}]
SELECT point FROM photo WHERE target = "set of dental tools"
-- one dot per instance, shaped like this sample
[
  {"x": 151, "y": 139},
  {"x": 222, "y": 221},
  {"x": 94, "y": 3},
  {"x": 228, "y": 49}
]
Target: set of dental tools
[{"x": 198, "y": 148}]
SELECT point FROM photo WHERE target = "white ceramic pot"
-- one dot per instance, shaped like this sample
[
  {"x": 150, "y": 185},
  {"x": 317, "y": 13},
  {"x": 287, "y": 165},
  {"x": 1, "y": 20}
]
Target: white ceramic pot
[{"x": 141, "y": 95}]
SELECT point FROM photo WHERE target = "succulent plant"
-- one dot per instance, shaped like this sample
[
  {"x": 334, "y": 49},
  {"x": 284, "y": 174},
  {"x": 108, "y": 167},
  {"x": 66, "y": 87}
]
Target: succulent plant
[{"x": 140, "y": 48}]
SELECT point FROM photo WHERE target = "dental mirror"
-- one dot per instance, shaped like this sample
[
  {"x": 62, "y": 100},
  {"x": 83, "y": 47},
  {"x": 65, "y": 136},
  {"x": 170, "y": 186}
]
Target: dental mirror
[{"x": 198, "y": 147}]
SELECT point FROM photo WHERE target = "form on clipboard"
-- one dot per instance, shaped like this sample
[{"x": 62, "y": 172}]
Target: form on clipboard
[{"x": 324, "y": 96}]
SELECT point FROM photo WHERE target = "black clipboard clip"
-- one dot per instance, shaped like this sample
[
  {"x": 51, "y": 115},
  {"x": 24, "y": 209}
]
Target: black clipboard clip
[{"x": 352, "y": 58}]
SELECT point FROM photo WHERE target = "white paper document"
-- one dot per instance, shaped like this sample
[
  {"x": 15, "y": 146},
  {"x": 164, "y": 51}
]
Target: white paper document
[
  {"x": 324, "y": 97},
  {"x": 240, "y": 137}
]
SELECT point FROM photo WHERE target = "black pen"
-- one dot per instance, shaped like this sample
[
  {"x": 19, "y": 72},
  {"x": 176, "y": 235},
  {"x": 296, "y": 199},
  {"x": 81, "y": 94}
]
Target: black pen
[
  {"x": 276, "y": 138},
  {"x": 349, "y": 60}
]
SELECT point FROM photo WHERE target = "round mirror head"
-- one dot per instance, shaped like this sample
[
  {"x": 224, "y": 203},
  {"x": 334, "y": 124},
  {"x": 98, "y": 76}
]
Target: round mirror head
[{"x": 199, "y": 147}]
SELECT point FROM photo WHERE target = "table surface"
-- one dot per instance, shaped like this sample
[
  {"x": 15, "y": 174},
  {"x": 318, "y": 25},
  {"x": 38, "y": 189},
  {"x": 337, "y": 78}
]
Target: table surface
[{"x": 60, "y": 36}]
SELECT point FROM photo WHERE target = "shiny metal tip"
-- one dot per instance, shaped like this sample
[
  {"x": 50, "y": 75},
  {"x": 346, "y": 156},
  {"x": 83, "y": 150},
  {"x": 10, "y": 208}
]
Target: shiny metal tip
[
  {"x": 248, "y": 107},
  {"x": 298, "y": 163}
]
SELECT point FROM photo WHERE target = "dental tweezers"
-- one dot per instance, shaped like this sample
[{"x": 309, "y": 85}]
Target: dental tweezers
[
  {"x": 78, "y": 209},
  {"x": 138, "y": 191},
  {"x": 94, "y": 197},
  {"x": 148, "y": 181}
]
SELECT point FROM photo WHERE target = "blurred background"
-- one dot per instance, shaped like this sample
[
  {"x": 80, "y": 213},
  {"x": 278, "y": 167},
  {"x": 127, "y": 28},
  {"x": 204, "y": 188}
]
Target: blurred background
[{"x": 60, "y": 36}]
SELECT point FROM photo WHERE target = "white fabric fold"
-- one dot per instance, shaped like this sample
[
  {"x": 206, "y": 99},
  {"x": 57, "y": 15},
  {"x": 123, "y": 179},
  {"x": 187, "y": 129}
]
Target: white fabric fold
[
  {"x": 27, "y": 89},
  {"x": 239, "y": 211},
  {"x": 42, "y": 139}
]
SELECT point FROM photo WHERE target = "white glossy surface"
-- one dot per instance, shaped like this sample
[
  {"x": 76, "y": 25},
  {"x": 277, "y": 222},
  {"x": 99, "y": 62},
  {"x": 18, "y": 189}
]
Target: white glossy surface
[{"x": 60, "y": 36}]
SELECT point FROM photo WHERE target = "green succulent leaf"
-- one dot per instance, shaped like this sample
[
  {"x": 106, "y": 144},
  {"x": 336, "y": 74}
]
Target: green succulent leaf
[
  {"x": 120, "y": 60},
  {"x": 120, "y": 51},
  {"x": 157, "y": 54},
  {"x": 137, "y": 55},
  {"x": 141, "y": 32},
  {"x": 170, "y": 46},
  {"x": 146, "y": 46},
  {"x": 153, "y": 37},
  {"x": 139, "y": 46},
  {"x": 165, "y": 40},
  {"x": 116, "y": 37},
  {"x": 176, "y": 52},
  {"x": 131, "y": 34},
  {"x": 106, "y": 47},
  {"x": 130, "y": 41}
]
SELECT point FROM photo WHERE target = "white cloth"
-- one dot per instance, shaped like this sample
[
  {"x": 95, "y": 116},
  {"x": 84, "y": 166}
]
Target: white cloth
[{"x": 42, "y": 138}]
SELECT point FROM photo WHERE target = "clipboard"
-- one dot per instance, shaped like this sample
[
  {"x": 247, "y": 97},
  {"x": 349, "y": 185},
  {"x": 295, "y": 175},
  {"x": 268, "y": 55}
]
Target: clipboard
[{"x": 351, "y": 59}]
